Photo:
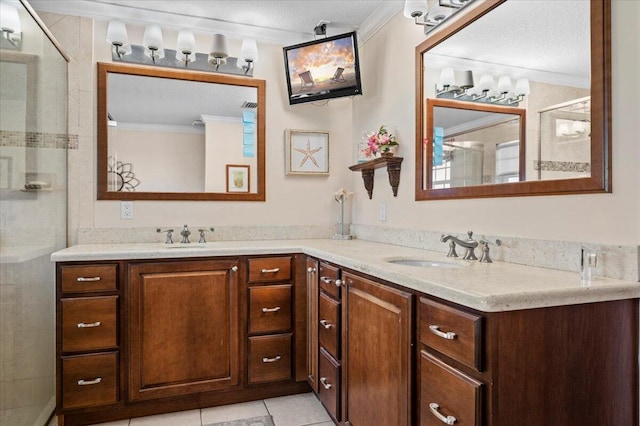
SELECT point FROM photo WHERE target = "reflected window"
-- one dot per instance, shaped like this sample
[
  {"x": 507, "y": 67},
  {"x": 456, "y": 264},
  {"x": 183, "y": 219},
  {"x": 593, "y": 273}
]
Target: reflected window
[{"x": 508, "y": 162}]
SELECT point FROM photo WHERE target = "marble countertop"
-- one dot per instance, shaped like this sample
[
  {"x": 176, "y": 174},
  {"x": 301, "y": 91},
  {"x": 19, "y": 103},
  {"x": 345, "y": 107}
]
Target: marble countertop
[{"x": 488, "y": 287}]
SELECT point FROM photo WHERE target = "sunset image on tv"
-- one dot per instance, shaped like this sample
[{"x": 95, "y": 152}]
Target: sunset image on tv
[{"x": 322, "y": 67}]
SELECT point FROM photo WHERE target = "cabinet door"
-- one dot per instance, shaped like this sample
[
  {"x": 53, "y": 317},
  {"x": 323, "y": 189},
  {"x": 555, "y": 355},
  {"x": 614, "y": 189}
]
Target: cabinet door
[
  {"x": 183, "y": 327},
  {"x": 312, "y": 323},
  {"x": 376, "y": 353}
]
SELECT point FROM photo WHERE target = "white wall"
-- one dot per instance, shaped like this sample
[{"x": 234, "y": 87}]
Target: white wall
[
  {"x": 388, "y": 86},
  {"x": 291, "y": 200}
]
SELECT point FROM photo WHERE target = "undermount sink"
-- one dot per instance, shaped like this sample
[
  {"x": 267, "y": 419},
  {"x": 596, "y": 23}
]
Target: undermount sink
[
  {"x": 183, "y": 246},
  {"x": 424, "y": 263}
]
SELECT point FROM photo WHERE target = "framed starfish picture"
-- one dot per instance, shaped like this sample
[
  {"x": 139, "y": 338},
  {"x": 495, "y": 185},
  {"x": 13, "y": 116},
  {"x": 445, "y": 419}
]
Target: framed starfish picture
[{"x": 307, "y": 152}]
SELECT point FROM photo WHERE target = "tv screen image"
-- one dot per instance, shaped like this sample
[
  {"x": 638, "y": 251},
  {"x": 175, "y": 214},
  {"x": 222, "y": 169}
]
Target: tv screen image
[{"x": 323, "y": 69}]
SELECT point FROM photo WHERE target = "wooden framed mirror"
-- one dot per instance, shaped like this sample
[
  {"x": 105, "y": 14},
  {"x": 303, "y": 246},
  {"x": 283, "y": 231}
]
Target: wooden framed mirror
[
  {"x": 166, "y": 134},
  {"x": 568, "y": 108}
]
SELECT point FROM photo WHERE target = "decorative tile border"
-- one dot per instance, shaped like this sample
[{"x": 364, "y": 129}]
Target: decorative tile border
[
  {"x": 562, "y": 166},
  {"x": 621, "y": 262},
  {"x": 38, "y": 140}
]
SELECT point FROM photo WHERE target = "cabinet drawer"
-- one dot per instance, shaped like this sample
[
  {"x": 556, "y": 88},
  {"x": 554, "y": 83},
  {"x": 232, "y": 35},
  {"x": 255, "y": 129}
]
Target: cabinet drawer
[
  {"x": 269, "y": 358},
  {"x": 89, "y": 380},
  {"x": 329, "y": 325},
  {"x": 268, "y": 269},
  {"x": 329, "y": 384},
  {"x": 89, "y": 323},
  {"x": 270, "y": 309},
  {"x": 89, "y": 278},
  {"x": 452, "y": 332},
  {"x": 446, "y": 392},
  {"x": 329, "y": 280}
]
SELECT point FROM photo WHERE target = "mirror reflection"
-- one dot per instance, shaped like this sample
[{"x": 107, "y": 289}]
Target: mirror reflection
[
  {"x": 475, "y": 144},
  {"x": 520, "y": 55},
  {"x": 177, "y": 133}
]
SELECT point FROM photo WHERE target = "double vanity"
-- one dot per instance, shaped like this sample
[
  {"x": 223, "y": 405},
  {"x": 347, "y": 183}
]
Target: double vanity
[{"x": 383, "y": 334}]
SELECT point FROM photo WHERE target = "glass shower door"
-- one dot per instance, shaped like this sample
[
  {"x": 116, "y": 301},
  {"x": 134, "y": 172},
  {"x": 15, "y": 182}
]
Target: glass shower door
[{"x": 33, "y": 217}]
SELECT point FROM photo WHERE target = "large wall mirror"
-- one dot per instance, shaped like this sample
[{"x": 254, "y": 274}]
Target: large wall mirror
[
  {"x": 166, "y": 134},
  {"x": 506, "y": 72}
]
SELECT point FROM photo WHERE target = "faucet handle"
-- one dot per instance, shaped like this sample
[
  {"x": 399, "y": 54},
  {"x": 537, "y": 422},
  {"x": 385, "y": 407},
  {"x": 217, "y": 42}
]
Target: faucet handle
[
  {"x": 202, "y": 231},
  {"x": 484, "y": 258},
  {"x": 169, "y": 235},
  {"x": 452, "y": 249},
  {"x": 470, "y": 236},
  {"x": 185, "y": 235}
]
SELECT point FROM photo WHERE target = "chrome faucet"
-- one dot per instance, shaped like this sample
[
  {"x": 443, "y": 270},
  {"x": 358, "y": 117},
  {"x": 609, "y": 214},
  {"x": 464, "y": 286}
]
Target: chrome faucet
[
  {"x": 185, "y": 235},
  {"x": 169, "y": 235},
  {"x": 485, "y": 250},
  {"x": 202, "y": 231},
  {"x": 469, "y": 244}
]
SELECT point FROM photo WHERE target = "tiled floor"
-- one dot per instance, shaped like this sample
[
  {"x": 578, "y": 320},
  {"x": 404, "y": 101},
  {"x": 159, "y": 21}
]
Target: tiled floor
[{"x": 295, "y": 410}]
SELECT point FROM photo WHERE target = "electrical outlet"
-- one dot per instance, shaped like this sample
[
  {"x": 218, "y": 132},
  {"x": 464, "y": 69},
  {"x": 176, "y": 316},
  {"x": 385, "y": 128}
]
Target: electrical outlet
[
  {"x": 126, "y": 210},
  {"x": 383, "y": 212}
]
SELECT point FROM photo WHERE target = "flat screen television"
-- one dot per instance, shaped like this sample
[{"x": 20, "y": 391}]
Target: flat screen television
[{"x": 323, "y": 69}]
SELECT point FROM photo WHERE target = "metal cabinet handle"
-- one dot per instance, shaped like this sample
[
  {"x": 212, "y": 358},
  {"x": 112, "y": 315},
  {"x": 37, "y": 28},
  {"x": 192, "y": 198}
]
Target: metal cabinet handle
[
  {"x": 435, "y": 329},
  {"x": 87, "y": 279},
  {"x": 325, "y": 324},
  {"x": 326, "y": 280},
  {"x": 311, "y": 270},
  {"x": 270, "y": 271},
  {"x": 95, "y": 381},
  {"x": 326, "y": 385},
  {"x": 275, "y": 359},
  {"x": 448, "y": 420},
  {"x": 276, "y": 309},
  {"x": 234, "y": 268},
  {"x": 90, "y": 325},
  {"x": 338, "y": 283}
]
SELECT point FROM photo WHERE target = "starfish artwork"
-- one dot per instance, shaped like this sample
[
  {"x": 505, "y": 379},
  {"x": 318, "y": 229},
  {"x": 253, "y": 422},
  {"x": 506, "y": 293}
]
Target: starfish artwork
[{"x": 308, "y": 154}]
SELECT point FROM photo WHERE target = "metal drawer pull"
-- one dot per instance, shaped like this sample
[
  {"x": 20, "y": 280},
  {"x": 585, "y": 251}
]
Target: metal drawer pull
[
  {"x": 311, "y": 270},
  {"x": 234, "y": 268},
  {"x": 326, "y": 385},
  {"x": 326, "y": 280},
  {"x": 338, "y": 283},
  {"x": 95, "y": 381},
  {"x": 270, "y": 271},
  {"x": 277, "y": 358},
  {"x": 435, "y": 329},
  {"x": 325, "y": 324},
  {"x": 449, "y": 420},
  {"x": 90, "y": 325},
  {"x": 276, "y": 309},
  {"x": 87, "y": 279}
]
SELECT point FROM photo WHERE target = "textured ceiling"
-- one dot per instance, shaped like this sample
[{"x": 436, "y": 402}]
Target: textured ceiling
[
  {"x": 276, "y": 21},
  {"x": 542, "y": 40}
]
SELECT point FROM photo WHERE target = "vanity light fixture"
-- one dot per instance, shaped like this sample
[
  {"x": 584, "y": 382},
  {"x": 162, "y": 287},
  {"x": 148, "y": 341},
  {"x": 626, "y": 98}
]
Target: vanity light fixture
[
  {"x": 152, "y": 51},
  {"x": 186, "y": 47},
  {"x": 430, "y": 18},
  {"x": 248, "y": 55},
  {"x": 11, "y": 27},
  {"x": 487, "y": 90}
]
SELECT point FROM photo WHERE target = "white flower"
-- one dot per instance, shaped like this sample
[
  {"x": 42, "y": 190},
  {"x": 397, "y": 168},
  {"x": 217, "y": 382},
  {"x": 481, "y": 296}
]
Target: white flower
[{"x": 341, "y": 195}]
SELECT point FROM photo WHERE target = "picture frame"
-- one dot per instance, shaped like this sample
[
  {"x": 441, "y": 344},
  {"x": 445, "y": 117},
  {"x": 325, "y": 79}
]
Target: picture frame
[
  {"x": 306, "y": 152},
  {"x": 238, "y": 178}
]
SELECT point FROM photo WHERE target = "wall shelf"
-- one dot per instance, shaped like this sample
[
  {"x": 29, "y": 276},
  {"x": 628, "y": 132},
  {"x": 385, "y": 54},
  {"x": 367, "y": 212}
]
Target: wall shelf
[{"x": 368, "y": 168}]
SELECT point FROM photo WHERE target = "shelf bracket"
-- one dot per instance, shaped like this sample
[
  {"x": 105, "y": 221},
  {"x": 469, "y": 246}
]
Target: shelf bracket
[{"x": 367, "y": 169}]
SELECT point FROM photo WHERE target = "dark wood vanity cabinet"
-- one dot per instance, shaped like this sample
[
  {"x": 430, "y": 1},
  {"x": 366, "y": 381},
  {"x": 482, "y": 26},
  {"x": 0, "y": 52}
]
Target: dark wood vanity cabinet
[
  {"x": 362, "y": 351},
  {"x": 143, "y": 337},
  {"x": 557, "y": 366},
  {"x": 183, "y": 327}
]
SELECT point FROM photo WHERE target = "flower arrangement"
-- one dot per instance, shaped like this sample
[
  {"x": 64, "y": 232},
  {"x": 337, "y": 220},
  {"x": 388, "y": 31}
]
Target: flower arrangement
[{"x": 380, "y": 141}]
